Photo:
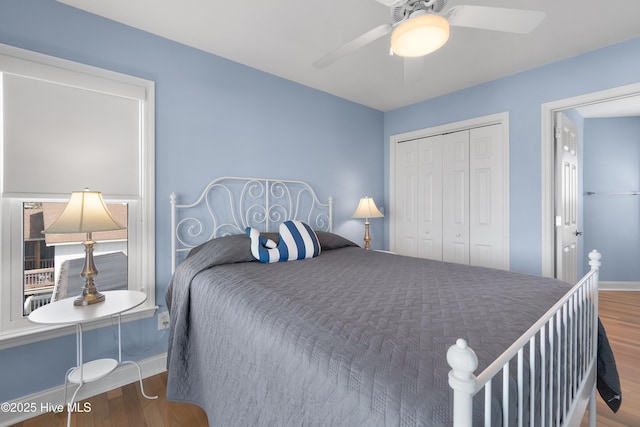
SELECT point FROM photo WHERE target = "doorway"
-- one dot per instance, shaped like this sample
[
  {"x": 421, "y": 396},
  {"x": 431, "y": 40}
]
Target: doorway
[{"x": 549, "y": 160}]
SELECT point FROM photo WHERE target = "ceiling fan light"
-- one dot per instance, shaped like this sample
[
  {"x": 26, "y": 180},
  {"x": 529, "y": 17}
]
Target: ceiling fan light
[{"x": 420, "y": 36}]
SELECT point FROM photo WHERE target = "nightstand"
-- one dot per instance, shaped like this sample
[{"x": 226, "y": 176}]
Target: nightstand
[{"x": 64, "y": 312}]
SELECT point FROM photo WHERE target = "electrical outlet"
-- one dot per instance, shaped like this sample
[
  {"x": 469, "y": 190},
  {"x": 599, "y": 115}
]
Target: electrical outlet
[{"x": 163, "y": 320}]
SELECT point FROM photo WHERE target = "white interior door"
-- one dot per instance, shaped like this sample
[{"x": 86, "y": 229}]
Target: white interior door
[
  {"x": 455, "y": 197},
  {"x": 488, "y": 189},
  {"x": 430, "y": 198},
  {"x": 566, "y": 235},
  {"x": 405, "y": 209},
  {"x": 450, "y": 193}
]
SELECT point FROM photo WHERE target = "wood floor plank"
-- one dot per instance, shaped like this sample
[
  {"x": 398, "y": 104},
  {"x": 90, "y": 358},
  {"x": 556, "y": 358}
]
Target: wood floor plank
[
  {"x": 133, "y": 406},
  {"x": 620, "y": 315},
  {"x": 100, "y": 410},
  {"x": 126, "y": 407}
]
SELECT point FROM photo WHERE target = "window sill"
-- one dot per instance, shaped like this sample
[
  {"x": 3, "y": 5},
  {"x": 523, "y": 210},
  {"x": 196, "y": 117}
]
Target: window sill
[{"x": 35, "y": 333}]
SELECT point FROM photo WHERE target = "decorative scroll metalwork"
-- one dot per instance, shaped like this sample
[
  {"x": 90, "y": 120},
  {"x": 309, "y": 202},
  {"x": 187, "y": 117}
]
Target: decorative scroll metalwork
[{"x": 230, "y": 204}]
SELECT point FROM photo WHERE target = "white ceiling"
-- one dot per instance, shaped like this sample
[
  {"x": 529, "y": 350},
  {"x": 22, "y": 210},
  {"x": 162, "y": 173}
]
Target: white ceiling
[{"x": 284, "y": 37}]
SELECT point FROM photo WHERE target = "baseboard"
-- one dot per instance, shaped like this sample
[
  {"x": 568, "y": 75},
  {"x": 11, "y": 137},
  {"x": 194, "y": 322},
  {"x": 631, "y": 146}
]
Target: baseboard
[
  {"x": 42, "y": 402},
  {"x": 619, "y": 286}
]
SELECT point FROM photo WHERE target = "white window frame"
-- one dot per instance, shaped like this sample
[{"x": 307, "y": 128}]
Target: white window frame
[{"x": 15, "y": 328}]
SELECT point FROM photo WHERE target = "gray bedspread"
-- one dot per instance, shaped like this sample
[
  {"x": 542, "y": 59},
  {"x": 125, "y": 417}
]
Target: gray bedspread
[{"x": 351, "y": 337}]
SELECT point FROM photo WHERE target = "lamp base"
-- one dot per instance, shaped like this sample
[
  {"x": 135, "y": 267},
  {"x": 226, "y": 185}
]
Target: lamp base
[
  {"x": 89, "y": 296},
  {"x": 367, "y": 237}
]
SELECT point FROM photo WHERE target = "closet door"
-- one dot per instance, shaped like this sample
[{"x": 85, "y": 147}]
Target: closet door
[
  {"x": 430, "y": 198},
  {"x": 405, "y": 209},
  {"x": 455, "y": 197},
  {"x": 451, "y": 197},
  {"x": 488, "y": 190}
]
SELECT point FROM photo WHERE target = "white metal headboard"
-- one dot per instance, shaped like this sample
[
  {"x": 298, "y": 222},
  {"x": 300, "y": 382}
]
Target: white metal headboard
[{"x": 228, "y": 205}]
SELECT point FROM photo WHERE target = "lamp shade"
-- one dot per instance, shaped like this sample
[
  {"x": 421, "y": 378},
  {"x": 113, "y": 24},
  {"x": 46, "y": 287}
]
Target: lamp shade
[
  {"x": 86, "y": 212},
  {"x": 420, "y": 35},
  {"x": 367, "y": 209}
]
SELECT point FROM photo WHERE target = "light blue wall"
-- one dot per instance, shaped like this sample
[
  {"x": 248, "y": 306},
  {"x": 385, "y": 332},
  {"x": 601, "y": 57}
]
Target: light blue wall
[
  {"x": 214, "y": 117},
  {"x": 612, "y": 222},
  {"x": 522, "y": 96}
]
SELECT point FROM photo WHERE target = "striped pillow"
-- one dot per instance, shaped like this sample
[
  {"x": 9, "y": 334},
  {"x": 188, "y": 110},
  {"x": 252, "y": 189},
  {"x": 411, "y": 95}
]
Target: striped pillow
[
  {"x": 262, "y": 249},
  {"x": 300, "y": 241},
  {"x": 297, "y": 241}
]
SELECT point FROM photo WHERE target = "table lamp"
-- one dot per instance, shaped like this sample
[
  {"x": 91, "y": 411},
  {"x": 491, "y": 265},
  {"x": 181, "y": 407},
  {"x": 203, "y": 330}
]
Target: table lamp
[
  {"x": 86, "y": 212},
  {"x": 367, "y": 209}
]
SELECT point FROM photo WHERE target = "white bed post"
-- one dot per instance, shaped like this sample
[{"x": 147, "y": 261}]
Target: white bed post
[
  {"x": 463, "y": 361},
  {"x": 594, "y": 260}
]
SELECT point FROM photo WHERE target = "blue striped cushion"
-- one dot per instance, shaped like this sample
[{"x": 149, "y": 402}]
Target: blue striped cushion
[
  {"x": 300, "y": 241},
  {"x": 297, "y": 241},
  {"x": 262, "y": 249}
]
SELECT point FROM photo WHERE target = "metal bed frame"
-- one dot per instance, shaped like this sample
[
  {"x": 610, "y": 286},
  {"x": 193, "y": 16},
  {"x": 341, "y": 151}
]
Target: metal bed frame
[
  {"x": 564, "y": 340},
  {"x": 566, "y": 337},
  {"x": 228, "y": 205}
]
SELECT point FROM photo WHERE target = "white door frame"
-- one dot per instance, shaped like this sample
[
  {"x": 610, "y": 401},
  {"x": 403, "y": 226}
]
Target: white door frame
[
  {"x": 498, "y": 118},
  {"x": 548, "y": 161}
]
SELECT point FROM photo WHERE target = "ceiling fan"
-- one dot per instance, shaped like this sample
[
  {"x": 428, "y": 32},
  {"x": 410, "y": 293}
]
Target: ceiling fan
[{"x": 420, "y": 27}]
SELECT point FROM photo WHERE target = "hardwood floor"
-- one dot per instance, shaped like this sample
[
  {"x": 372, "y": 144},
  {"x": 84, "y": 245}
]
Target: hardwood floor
[
  {"x": 126, "y": 407},
  {"x": 620, "y": 315}
]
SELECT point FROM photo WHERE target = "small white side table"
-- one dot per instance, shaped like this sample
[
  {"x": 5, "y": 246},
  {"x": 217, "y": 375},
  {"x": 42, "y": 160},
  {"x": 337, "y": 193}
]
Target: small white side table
[{"x": 64, "y": 312}]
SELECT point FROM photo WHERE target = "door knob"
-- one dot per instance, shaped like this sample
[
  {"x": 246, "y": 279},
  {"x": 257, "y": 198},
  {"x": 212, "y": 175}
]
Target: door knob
[{"x": 578, "y": 233}]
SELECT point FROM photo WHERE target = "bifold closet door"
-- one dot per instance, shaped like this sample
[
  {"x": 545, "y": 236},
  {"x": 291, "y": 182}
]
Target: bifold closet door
[
  {"x": 418, "y": 198},
  {"x": 488, "y": 198},
  {"x": 455, "y": 196},
  {"x": 430, "y": 198},
  {"x": 450, "y": 197},
  {"x": 405, "y": 208}
]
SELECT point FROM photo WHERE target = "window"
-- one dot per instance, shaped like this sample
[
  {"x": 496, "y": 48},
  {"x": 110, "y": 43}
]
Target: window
[
  {"x": 53, "y": 262},
  {"x": 64, "y": 127}
]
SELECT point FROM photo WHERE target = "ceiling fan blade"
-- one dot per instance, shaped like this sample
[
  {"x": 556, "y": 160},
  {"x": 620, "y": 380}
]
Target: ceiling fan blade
[
  {"x": 353, "y": 45},
  {"x": 495, "y": 18}
]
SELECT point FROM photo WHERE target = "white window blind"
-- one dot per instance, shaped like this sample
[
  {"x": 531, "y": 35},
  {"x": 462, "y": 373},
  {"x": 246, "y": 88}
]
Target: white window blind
[{"x": 59, "y": 138}]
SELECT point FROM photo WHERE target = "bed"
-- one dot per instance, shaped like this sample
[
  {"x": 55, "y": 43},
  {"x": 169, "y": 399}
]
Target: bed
[{"x": 363, "y": 338}]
